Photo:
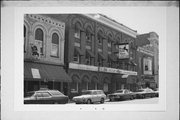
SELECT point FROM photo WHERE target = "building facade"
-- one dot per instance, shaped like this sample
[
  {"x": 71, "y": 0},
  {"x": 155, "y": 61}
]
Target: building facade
[
  {"x": 44, "y": 54},
  {"x": 99, "y": 53},
  {"x": 147, "y": 60}
]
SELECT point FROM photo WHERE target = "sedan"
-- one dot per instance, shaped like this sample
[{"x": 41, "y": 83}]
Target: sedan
[
  {"x": 90, "y": 96},
  {"x": 122, "y": 94},
  {"x": 45, "y": 97},
  {"x": 144, "y": 93}
]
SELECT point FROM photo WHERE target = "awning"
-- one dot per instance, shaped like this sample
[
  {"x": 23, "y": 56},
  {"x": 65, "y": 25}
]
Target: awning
[
  {"x": 78, "y": 50},
  {"x": 76, "y": 78},
  {"x": 90, "y": 53},
  {"x": 45, "y": 72},
  {"x": 101, "y": 56}
]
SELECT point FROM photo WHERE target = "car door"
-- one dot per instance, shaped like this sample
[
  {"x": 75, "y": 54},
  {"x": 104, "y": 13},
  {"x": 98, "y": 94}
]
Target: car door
[
  {"x": 94, "y": 96},
  {"x": 38, "y": 98}
]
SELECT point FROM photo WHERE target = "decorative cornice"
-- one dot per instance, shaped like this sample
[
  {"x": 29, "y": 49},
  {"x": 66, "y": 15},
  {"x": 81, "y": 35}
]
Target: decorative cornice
[{"x": 47, "y": 20}]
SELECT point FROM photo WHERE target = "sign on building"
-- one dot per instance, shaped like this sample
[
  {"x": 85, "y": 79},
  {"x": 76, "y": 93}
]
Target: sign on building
[{"x": 123, "y": 51}]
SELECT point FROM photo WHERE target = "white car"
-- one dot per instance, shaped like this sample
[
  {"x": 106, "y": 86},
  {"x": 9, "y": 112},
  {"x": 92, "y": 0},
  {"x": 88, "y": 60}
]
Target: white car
[{"x": 90, "y": 96}]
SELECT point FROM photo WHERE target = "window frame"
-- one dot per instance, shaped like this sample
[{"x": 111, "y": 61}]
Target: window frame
[{"x": 57, "y": 45}]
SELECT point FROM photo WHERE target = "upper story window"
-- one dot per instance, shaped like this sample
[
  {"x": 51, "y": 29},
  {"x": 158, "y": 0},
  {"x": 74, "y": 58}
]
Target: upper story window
[
  {"x": 39, "y": 37},
  {"x": 77, "y": 33},
  {"x": 55, "y": 45},
  {"x": 76, "y": 58},
  {"x": 89, "y": 37}
]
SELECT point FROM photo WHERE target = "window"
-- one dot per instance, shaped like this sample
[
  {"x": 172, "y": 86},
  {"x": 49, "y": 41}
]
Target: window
[
  {"x": 100, "y": 61},
  {"x": 25, "y": 34},
  {"x": 76, "y": 58},
  {"x": 45, "y": 94},
  {"x": 88, "y": 60},
  {"x": 39, "y": 37},
  {"x": 100, "y": 40},
  {"x": 77, "y": 33},
  {"x": 74, "y": 87},
  {"x": 55, "y": 45},
  {"x": 105, "y": 88},
  {"x": 88, "y": 41}
]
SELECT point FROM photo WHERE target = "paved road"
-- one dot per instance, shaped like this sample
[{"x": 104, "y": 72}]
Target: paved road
[{"x": 135, "y": 101}]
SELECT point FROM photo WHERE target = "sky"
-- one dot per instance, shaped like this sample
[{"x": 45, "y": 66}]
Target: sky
[{"x": 141, "y": 19}]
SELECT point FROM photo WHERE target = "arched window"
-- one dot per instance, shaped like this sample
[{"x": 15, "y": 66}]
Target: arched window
[
  {"x": 55, "y": 45},
  {"x": 39, "y": 34},
  {"x": 39, "y": 37}
]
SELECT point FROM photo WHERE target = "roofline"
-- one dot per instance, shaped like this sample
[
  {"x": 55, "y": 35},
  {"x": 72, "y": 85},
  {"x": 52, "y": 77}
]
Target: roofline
[{"x": 113, "y": 24}]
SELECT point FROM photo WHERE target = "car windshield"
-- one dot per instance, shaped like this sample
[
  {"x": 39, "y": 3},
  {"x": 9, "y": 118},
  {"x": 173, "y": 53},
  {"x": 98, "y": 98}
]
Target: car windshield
[
  {"x": 86, "y": 92},
  {"x": 29, "y": 94}
]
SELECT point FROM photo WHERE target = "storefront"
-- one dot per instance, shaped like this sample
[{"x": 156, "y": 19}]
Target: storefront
[{"x": 38, "y": 75}]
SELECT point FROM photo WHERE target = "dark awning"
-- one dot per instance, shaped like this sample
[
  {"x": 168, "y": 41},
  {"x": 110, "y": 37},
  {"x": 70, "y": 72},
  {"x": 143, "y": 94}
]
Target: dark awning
[
  {"x": 45, "y": 72},
  {"x": 101, "y": 56},
  {"x": 90, "y": 53},
  {"x": 78, "y": 50}
]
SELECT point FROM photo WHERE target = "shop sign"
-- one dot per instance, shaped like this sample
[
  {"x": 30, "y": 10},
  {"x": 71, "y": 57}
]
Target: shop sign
[
  {"x": 83, "y": 67},
  {"x": 123, "y": 51},
  {"x": 142, "y": 50},
  {"x": 35, "y": 73},
  {"x": 119, "y": 71}
]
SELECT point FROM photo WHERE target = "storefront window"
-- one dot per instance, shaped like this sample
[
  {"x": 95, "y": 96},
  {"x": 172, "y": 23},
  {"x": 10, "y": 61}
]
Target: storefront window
[
  {"x": 105, "y": 88},
  {"x": 74, "y": 87}
]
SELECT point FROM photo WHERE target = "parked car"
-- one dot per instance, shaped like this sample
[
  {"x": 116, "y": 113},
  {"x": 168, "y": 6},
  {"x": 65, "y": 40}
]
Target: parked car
[
  {"x": 90, "y": 96},
  {"x": 122, "y": 94},
  {"x": 156, "y": 91},
  {"x": 144, "y": 93},
  {"x": 45, "y": 97}
]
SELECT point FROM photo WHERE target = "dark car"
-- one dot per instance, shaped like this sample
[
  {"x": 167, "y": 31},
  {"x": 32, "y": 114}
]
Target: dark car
[
  {"x": 144, "y": 93},
  {"x": 122, "y": 94},
  {"x": 45, "y": 97}
]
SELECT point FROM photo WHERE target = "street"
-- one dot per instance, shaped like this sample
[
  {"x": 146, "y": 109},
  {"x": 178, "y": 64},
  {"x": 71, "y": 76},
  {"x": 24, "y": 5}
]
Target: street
[{"x": 135, "y": 101}]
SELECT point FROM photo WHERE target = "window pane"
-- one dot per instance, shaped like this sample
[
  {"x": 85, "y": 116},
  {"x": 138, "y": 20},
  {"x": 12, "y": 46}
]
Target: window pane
[
  {"x": 55, "y": 38},
  {"x": 54, "y": 49},
  {"x": 39, "y": 34}
]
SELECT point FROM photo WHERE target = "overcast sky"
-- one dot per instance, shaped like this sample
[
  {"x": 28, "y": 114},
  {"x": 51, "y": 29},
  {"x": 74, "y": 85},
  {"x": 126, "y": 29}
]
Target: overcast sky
[{"x": 142, "y": 19}]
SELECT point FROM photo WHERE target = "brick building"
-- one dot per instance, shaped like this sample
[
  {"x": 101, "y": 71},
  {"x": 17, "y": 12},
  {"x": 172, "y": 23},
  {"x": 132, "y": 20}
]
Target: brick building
[
  {"x": 99, "y": 53},
  {"x": 147, "y": 60},
  {"x": 44, "y": 54}
]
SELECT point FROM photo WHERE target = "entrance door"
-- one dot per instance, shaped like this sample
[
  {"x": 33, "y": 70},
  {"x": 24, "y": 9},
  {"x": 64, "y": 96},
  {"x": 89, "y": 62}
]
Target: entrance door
[{"x": 65, "y": 88}]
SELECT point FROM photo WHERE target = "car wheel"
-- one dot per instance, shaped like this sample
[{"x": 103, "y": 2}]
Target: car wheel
[
  {"x": 111, "y": 99},
  {"x": 131, "y": 98},
  {"x": 102, "y": 100},
  {"x": 55, "y": 102},
  {"x": 88, "y": 101}
]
